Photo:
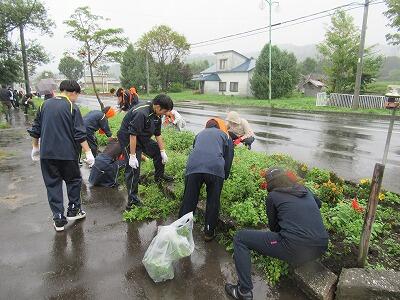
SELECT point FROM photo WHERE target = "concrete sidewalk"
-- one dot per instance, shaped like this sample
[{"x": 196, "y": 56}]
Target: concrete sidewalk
[{"x": 97, "y": 258}]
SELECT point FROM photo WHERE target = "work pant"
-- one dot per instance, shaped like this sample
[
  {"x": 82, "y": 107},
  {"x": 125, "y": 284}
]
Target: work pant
[
  {"x": 7, "y": 109},
  {"x": 92, "y": 142},
  {"x": 193, "y": 184},
  {"x": 26, "y": 106},
  {"x": 247, "y": 142},
  {"x": 151, "y": 149},
  {"x": 54, "y": 172},
  {"x": 269, "y": 244}
]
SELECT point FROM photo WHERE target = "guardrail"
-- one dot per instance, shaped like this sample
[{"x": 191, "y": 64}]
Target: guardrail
[{"x": 346, "y": 100}]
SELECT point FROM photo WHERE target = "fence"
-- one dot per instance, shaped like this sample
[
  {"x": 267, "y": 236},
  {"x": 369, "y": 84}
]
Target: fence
[{"x": 346, "y": 100}]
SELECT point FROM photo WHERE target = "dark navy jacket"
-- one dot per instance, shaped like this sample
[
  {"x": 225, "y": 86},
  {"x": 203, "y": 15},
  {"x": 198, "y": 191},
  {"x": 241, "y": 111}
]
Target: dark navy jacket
[
  {"x": 96, "y": 120},
  {"x": 4, "y": 94},
  {"x": 59, "y": 125},
  {"x": 140, "y": 121},
  {"x": 294, "y": 213},
  {"x": 128, "y": 101},
  {"x": 212, "y": 154}
]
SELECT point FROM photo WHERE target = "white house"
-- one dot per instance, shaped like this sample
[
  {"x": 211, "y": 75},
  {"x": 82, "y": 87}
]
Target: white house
[{"x": 230, "y": 75}]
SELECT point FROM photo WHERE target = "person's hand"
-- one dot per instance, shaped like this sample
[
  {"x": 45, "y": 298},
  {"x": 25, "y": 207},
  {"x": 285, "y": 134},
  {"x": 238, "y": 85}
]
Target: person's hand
[
  {"x": 164, "y": 157},
  {"x": 133, "y": 162},
  {"x": 35, "y": 154},
  {"x": 89, "y": 158}
]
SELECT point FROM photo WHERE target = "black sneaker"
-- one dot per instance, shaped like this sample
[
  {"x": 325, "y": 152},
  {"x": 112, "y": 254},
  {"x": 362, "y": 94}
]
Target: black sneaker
[
  {"x": 164, "y": 178},
  {"x": 59, "y": 224},
  {"x": 234, "y": 291},
  {"x": 133, "y": 202},
  {"x": 75, "y": 214}
]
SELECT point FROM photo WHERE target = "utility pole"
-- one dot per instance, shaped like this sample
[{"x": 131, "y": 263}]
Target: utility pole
[
  {"x": 147, "y": 75},
  {"x": 360, "y": 57},
  {"x": 270, "y": 2}
]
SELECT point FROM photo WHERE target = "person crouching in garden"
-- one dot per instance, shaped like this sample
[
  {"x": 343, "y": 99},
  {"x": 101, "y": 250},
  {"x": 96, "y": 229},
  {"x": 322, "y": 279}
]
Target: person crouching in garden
[
  {"x": 27, "y": 100},
  {"x": 209, "y": 162},
  {"x": 297, "y": 232},
  {"x": 239, "y": 130},
  {"x": 94, "y": 121}
]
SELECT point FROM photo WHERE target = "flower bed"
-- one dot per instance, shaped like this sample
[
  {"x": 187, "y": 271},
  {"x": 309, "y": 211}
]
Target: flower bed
[{"x": 242, "y": 200}]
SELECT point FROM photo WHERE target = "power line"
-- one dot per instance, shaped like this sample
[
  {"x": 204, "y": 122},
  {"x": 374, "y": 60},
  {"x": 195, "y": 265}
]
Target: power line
[{"x": 263, "y": 29}]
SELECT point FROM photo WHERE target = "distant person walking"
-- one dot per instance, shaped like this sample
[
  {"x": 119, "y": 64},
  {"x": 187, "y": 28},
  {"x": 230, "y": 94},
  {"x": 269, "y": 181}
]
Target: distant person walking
[{"x": 5, "y": 102}]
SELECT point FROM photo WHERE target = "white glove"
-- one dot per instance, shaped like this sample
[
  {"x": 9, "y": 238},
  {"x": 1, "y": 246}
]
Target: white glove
[
  {"x": 35, "y": 154},
  {"x": 89, "y": 158},
  {"x": 133, "y": 162},
  {"x": 164, "y": 157}
]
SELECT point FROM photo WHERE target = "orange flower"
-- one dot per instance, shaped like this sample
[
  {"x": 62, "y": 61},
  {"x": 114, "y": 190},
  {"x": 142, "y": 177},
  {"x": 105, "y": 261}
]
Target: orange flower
[{"x": 263, "y": 173}]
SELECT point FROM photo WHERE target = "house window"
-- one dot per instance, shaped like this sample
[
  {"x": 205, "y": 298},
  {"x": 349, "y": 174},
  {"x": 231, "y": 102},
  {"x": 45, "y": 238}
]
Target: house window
[
  {"x": 222, "y": 64},
  {"x": 233, "y": 86},
  {"x": 222, "y": 86}
]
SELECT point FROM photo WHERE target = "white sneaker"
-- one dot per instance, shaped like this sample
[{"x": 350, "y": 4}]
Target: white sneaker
[{"x": 59, "y": 225}]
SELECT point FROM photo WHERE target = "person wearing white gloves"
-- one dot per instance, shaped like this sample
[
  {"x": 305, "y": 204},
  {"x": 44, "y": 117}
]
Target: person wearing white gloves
[
  {"x": 138, "y": 126},
  {"x": 59, "y": 127}
]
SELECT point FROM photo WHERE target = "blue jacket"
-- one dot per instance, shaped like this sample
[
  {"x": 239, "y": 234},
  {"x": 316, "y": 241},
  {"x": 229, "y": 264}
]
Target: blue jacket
[
  {"x": 212, "y": 154},
  {"x": 96, "y": 120},
  {"x": 59, "y": 125}
]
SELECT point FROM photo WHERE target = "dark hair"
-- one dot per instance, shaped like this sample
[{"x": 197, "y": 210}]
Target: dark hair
[
  {"x": 70, "y": 86},
  {"x": 212, "y": 124},
  {"x": 277, "y": 178},
  {"x": 29, "y": 95},
  {"x": 119, "y": 92},
  {"x": 112, "y": 91},
  {"x": 164, "y": 101},
  {"x": 106, "y": 109}
]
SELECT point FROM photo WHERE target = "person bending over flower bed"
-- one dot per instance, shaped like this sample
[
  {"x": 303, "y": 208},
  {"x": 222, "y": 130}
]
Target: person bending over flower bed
[
  {"x": 209, "y": 162},
  {"x": 297, "y": 232}
]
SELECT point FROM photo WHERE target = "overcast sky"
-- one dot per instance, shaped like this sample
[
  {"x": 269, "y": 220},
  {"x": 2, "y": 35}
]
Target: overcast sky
[{"x": 208, "y": 19}]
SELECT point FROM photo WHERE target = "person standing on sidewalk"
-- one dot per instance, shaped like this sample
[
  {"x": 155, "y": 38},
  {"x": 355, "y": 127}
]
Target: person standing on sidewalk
[
  {"x": 138, "y": 126},
  {"x": 209, "y": 162},
  {"x": 5, "y": 102},
  {"x": 59, "y": 126},
  {"x": 297, "y": 232}
]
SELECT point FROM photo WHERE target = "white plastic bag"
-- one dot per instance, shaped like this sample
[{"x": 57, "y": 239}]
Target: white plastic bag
[{"x": 171, "y": 243}]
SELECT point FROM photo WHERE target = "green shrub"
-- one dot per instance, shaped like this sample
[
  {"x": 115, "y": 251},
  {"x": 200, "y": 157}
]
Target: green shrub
[{"x": 176, "y": 87}]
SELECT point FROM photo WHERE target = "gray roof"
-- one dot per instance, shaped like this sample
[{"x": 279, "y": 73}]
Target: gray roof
[
  {"x": 247, "y": 66},
  {"x": 211, "y": 69},
  {"x": 206, "y": 77}
]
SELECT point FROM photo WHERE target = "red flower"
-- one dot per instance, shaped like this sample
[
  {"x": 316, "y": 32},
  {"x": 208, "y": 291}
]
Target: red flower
[
  {"x": 263, "y": 185},
  {"x": 292, "y": 176},
  {"x": 356, "y": 206}
]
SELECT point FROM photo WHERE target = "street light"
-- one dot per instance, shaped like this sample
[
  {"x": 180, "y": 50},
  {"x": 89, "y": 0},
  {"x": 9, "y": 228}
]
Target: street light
[{"x": 270, "y": 3}]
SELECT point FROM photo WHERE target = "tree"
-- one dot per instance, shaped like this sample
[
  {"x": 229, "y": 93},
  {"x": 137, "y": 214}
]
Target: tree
[
  {"x": 133, "y": 68},
  {"x": 309, "y": 65},
  {"x": 389, "y": 69},
  {"x": 97, "y": 43},
  {"x": 340, "y": 55},
  {"x": 167, "y": 48},
  {"x": 35, "y": 56},
  {"x": 22, "y": 15},
  {"x": 71, "y": 68},
  {"x": 393, "y": 14},
  {"x": 197, "y": 66},
  {"x": 10, "y": 70},
  {"x": 284, "y": 73}
]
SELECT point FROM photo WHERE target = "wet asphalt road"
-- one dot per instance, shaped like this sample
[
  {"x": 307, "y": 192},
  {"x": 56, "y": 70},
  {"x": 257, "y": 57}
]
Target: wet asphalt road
[
  {"x": 99, "y": 257},
  {"x": 347, "y": 144}
]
